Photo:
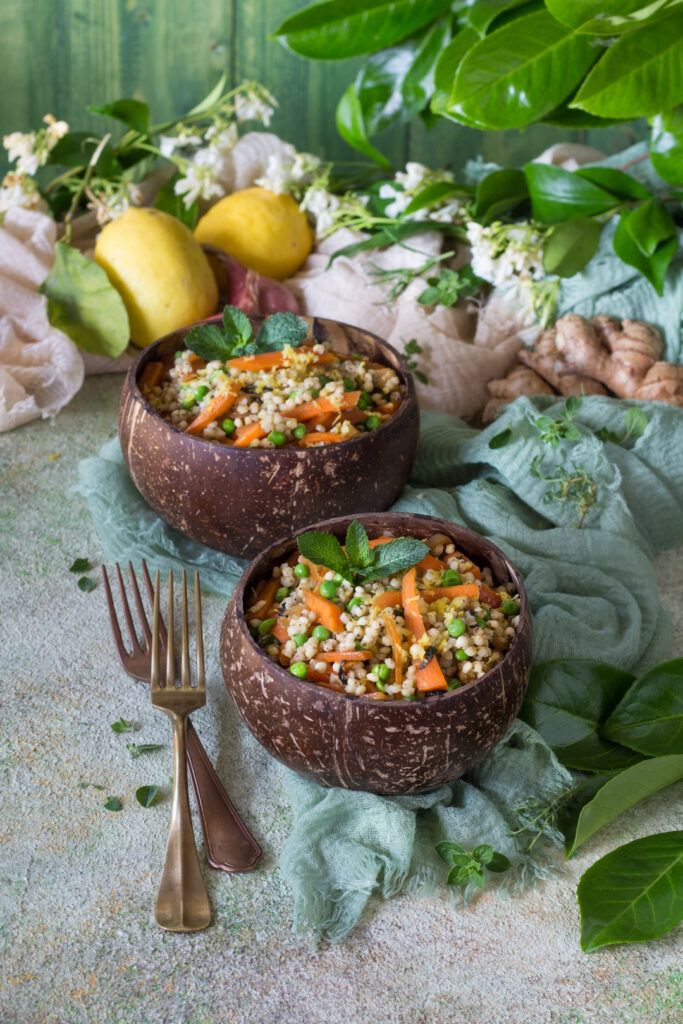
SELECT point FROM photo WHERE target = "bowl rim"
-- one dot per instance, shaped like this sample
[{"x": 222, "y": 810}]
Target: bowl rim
[
  {"x": 405, "y": 376},
  {"x": 520, "y": 638}
]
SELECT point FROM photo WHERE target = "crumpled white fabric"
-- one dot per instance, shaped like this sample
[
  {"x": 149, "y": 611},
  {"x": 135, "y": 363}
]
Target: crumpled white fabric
[{"x": 40, "y": 368}]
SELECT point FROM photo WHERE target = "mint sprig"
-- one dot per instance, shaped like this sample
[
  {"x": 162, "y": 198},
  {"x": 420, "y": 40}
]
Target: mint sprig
[
  {"x": 360, "y": 562},
  {"x": 235, "y": 337}
]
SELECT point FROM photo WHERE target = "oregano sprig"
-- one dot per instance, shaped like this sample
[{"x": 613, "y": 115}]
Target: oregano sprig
[
  {"x": 360, "y": 562},
  {"x": 469, "y": 867}
]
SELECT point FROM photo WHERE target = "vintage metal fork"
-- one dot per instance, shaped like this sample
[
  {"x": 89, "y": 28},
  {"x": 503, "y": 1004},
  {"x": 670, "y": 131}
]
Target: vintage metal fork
[
  {"x": 182, "y": 902},
  {"x": 228, "y": 844}
]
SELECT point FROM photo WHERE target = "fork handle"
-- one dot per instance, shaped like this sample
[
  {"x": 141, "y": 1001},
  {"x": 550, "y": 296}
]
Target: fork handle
[{"x": 228, "y": 844}]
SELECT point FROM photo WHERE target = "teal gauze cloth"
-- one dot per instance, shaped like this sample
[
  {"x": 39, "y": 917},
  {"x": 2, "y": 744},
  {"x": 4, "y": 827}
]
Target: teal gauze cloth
[{"x": 593, "y": 594}]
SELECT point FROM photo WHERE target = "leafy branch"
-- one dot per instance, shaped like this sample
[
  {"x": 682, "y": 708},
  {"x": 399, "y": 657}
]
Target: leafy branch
[{"x": 573, "y": 485}]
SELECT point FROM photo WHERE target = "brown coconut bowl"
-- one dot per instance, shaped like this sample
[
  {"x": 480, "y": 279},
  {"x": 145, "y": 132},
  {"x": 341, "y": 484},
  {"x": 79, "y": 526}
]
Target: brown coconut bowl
[
  {"x": 238, "y": 500},
  {"x": 386, "y": 747}
]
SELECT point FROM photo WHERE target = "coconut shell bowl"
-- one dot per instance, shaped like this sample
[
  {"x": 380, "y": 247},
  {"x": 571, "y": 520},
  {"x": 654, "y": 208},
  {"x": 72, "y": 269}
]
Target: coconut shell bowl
[
  {"x": 387, "y": 747},
  {"x": 238, "y": 500}
]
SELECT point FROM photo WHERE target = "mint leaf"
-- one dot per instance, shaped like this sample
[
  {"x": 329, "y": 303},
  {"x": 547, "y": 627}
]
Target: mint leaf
[
  {"x": 113, "y": 804},
  {"x": 279, "y": 330},
  {"x": 80, "y": 565},
  {"x": 146, "y": 795},
  {"x": 136, "y": 749},
  {"x": 323, "y": 549},
  {"x": 209, "y": 341},
  {"x": 237, "y": 326},
  {"x": 86, "y": 584},
  {"x": 358, "y": 548},
  {"x": 122, "y": 726},
  {"x": 395, "y": 556}
]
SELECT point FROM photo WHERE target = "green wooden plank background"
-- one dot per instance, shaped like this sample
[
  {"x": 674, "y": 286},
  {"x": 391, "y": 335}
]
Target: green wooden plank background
[{"x": 58, "y": 56}]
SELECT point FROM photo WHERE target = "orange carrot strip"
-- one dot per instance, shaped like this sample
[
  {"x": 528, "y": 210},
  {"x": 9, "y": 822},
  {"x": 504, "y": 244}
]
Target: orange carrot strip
[
  {"x": 313, "y": 570},
  {"x": 151, "y": 375},
  {"x": 322, "y": 677},
  {"x": 389, "y": 599},
  {"x": 279, "y": 631},
  {"x": 269, "y": 360},
  {"x": 343, "y": 655},
  {"x": 218, "y": 406},
  {"x": 490, "y": 597},
  {"x": 355, "y": 415},
  {"x": 248, "y": 433},
  {"x": 410, "y": 610},
  {"x": 308, "y": 410},
  {"x": 395, "y": 646},
  {"x": 430, "y": 677},
  {"x": 380, "y": 540},
  {"x": 328, "y": 613},
  {"x": 430, "y": 562},
  {"x": 196, "y": 361},
  {"x": 320, "y": 437},
  {"x": 324, "y": 420},
  {"x": 462, "y": 590},
  {"x": 264, "y": 598}
]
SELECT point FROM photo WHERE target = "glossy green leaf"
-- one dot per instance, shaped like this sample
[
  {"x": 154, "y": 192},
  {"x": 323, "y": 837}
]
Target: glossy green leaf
[
  {"x": 653, "y": 267},
  {"x": 483, "y": 12},
  {"x": 571, "y": 806},
  {"x": 378, "y": 86},
  {"x": 639, "y": 75},
  {"x": 134, "y": 113},
  {"x": 498, "y": 193},
  {"x": 634, "y": 893},
  {"x": 212, "y": 98},
  {"x": 649, "y": 225},
  {"x": 558, "y": 195},
  {"x": 146, "y": 795},
  {"x": 437, "y": 192},
  {"x": 445, "y": 72},
  {"x": 609, "y": 17},
  {"x": 500, "y": 440},
  {"x": 82, "y": 303},
  {"x": 566, "y": 117},
  {"x": 649, "y": 718},
  {"x": 666, "y": 145},
  {"x": 77, "y": 148},
  {"x": 520, "y": 72},
  {"x": 418, "y": 85},
  {"x": 624, "y": 790},
  {"x": 337, "y": 29},
  {"x": 621, "y": 185},
  {"x": 567, "y": 701},
  {"x": 169, "y": 202},
  {"x": 388, "y": 236},
  {"x": 571, "y": 245},
  {"x": 351, "y": 127}
]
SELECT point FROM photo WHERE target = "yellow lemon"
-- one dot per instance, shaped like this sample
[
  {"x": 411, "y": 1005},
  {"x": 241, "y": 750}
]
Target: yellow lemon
[
  {"x": 264, "y": 231},
  {"x": 160, "y": 271}
]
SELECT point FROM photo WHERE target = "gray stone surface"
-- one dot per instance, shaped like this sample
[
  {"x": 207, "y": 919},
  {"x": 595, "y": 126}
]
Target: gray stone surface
[{"x": 77, "y": 933}]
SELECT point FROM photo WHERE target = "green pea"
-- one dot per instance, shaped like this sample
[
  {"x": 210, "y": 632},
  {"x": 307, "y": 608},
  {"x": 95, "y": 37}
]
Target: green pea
[
  {"x": 265, "y": 627},
  {"x": 299, "y": 431},
  {"x": 509, "y": 607},
  {"x": 187, "y": 403},
  {"x": 349, "y": 385},
  {"x": 299, "y": 639},
  {"x": 228, "y": 426},
  {"x": 281, "y": 594},
  {"x": 328, "y": 588},
  {"x": 301, "y": 570},
  {"x": 364, "y": 400},
  {"x": 456, "y": 627},
  {"x": 315, "y": 393},
  {"x": 380, "y": 686},
  {"x": 338, "y": 578},
  {"x": 355, "y": 602},
  {"x": 178, "y": 355},
  {"x": 323, "y": 380},
  {"x": 321, "y": 633},
  {"x": 453, "y": 684},
  {"x": 292, "y": 394},
  {"x": 481, "y": 621},
  {"x": 277, "y": 438},
  {"x": 383, "y": 672},
  {"x": 201, "y": 391},
  {"x": 461, "y": 656},
  {"x": 451, "y": 578},
  {"x": 299, "y": 669},
  {"x": 372, "y": 422}
]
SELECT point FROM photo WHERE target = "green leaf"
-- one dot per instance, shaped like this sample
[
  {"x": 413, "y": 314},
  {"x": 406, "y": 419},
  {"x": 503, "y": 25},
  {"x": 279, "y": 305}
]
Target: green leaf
[
  {"x": 621, "y": 185},
  {"x": 571, "y": 245},
  {"x": 281, "y": 329},
  {"x": 351, "y": 126},
  {"x": 122, "y": 726},
  {"x": 417, "y": 86},
  {"x": 388, "y": 236},
  {"x": 337, "y": 29},
  {"x": 435, "y": 193},
  {"x": 80, "y": 565},
  {"x": 498, "y": 193},
  {"x": 211, "y": 99},
  {"x": 666, "y": 145},
  {"x": 635, "y": 422},
  {"x": 499, "y": 863},
  {"x": 136, "y": 749},
  {"x": 478, "y": 878},
  {"x": 378, "y": 86},
  {"x": 146, "y": 795},
  {"x": 134, "y": 113},
  {"x": 609, "y": 17},
  {"x": 520, "y": 72},
  {"x": 567, "y": 701},
  {"x": 86, "y": 584},
  {"x": 653, "y": 267},
  {"x": 448, "y": 851},
  {"x": 639, "y": 75},
  {"x": 113, "y": 804},
  {"x": 558, "y": 195},
  {"x": 323, "y": 549},
  {"x": 358, "y": 549},
  {"x": 209, "y": 341},
  {"x": 649, "y": 225},
  {"x": 83, "y": 304},
  {"x": 649, "y": 717},
  {"x": 169, "y": 202},
  {"x": 237, "y": 326},
  {"x": 564, "y": 117},
  {"x": 445, "y": 72},
  {"x": 634, "y": 893},
  {"x": 623, "y": 791},
  {"x": 483, "y": 12},
  {"x": 571, "y": 805},
  {"x": 395, "y": 556},
  {"x": 450, "y": 286},
  {"x": 500, "y": 440},
  {"x": 483, "y": 853},
  {"x": 76, "y": 149}
]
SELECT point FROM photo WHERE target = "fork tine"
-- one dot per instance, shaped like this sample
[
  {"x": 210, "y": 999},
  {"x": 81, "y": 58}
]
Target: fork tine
[
  {"x": 118, "y": 639},
  {"x": 200, "y": 636},
  {"x": 185, "y": 644},
  {"x": 135, "y": 643},
  {"x": 154, "y": 672},
  {"x": 170, "y": 659},
  {"x": 150, "y": 593},
  {"x": 144, "y": 623}
]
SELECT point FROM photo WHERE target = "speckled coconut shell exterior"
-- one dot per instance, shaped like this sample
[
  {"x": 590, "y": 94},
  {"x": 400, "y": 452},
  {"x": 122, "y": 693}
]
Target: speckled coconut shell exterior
[
  {"x": 387, "y": 747},
  {"x": 240, "y": 500}
]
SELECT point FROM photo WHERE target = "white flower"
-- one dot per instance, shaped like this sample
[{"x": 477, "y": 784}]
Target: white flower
[
  {"x": 184, "y": 139},
  {"x": 220, "y": 138},
  {"x": 21, "y": 147},
  {"x": 445, "y": 214},
  {"x": 55, "y": 130},
  {"x": 413, "y": 176},
  {"x": 18, "y": 190},
  {"x": 322, "y": 205},
  {"x": 400, "y": 199},
  {"x": 200, "y": 181},
  {"x": 255, "y": 105},
  {"x": 289, "y": 171},
  {"x": 108, "y": 205}
]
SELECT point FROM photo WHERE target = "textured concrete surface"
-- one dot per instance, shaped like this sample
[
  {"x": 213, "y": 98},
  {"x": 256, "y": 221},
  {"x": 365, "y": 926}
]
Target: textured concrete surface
[{"x": 77, "y": 934}]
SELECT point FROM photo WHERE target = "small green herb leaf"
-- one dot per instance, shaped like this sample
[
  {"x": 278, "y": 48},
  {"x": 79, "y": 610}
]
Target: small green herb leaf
[
  {"x": 499, "y": 863},
  {"x": 358, "y": 548},
  {"x": 136, "y": 749},
  {"x": 635, "y": 422},
  {"x": 122, "y": 726},
  {"x": 113, "y": 804},
  {"x": 500, "y": 440},
  {"x": 209, "y": 341},
  {"x": 323, "y": 549},
  {"x": 86, "y": 584},
  {"x": 80, "y": 565},
  {"x": 146, "y": 795},
  {"x": 449, "y": 286},
  {"x": 395, "y": 556},
  {"x": 281, "y": 329}
]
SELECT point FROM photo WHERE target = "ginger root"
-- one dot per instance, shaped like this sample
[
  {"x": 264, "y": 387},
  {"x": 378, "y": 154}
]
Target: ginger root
[
  {"x": 548, "y": 361},
  {"x": 519, "y": 381}
]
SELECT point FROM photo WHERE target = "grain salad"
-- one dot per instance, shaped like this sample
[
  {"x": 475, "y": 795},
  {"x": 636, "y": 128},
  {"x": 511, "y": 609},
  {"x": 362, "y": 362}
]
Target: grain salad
[{"x": 437, "y": 624}]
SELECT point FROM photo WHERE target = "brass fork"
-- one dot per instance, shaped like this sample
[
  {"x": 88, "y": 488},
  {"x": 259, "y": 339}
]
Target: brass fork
[
  {"x": 182, "y": 903},
  {"x": 228, "y": 844}
]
